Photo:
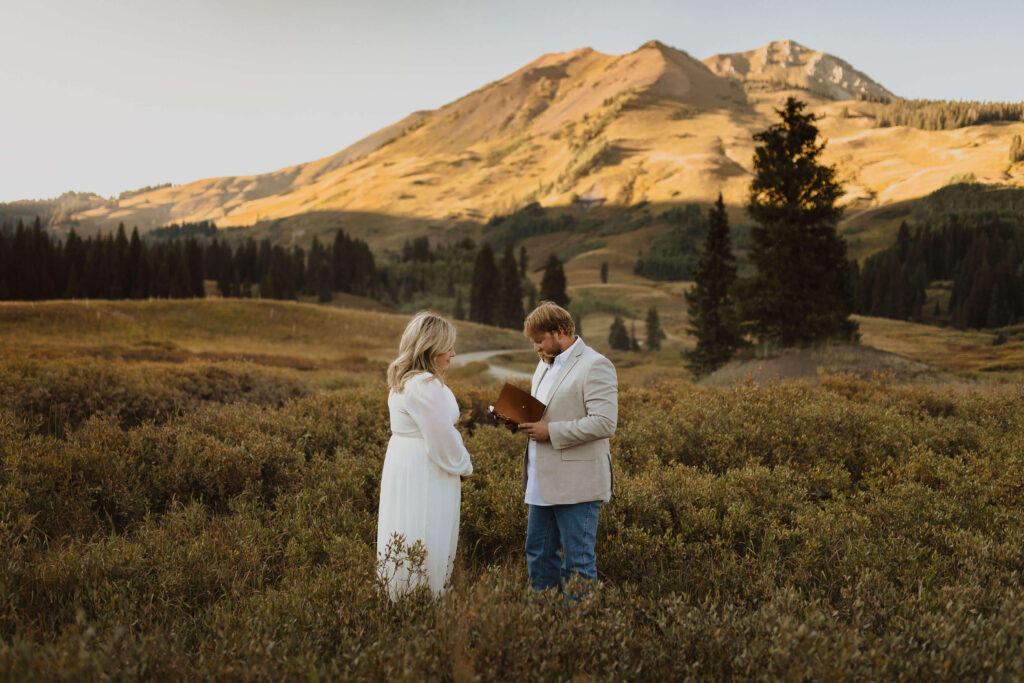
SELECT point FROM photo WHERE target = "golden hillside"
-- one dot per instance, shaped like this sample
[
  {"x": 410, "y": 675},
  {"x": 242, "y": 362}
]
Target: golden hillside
[{"x": 652, "y": 125}]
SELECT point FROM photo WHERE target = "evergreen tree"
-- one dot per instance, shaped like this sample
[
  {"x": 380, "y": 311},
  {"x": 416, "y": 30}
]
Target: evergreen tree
[
  {"x": 137, "y": 280},
  {"x": 712, "y": 311},
  {"x": 524, "y": 261},
  {"x": 800, "y": 294},
  {"x": 483, "y": 293},
  {"x": 298, "y": 264},
  {"x": 120, "y": 281},
  {"x": 195, "y": 269},
  {"x": 552, "y": 285},
  {"x": 510, "y": 294},
  {"x": 74, "y": 262},
  {"x": 320, "y": 278},
  {"x": 5, "y": 261},
  {"x": 604, "y": 271},
  {"x": 160, "y": 284},
  {"x": 654, "y": 332},
  {"x": 618, "y": 337},
  {"x": 21, "y": 287},
  {"x": 181, "y": 284}
]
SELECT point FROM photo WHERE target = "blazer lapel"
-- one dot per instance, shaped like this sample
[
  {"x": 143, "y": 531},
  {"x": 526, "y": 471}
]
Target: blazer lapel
[{"x": 570, "y": 363}]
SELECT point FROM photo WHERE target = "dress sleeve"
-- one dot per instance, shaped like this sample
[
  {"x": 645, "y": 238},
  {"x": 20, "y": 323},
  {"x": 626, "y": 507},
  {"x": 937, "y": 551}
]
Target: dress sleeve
[{"x": 427, "y": 403}]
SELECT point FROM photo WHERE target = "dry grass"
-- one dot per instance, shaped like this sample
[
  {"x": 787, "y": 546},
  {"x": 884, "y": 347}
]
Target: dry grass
[
  {"x": 970, "y": 351},
  {"x": 255, "y": 330}
]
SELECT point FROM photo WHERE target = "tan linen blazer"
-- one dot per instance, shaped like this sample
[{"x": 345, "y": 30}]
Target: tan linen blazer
[{"x": 575, "y": 465}]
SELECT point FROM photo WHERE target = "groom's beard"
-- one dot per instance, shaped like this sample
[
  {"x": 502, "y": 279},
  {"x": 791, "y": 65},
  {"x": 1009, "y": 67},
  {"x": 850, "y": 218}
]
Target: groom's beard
[{"x": 548, "y": 359}]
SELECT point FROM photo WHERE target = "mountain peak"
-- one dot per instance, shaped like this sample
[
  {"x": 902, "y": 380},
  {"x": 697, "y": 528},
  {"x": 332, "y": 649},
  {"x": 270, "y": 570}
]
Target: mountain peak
[
  {"x": 787, "y": 63},
  {"x": 654, "y": 44}
]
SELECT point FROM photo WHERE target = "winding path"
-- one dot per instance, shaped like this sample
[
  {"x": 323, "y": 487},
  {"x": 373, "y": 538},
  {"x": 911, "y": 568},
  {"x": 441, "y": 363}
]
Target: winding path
[{"x": 497, "y": 370}]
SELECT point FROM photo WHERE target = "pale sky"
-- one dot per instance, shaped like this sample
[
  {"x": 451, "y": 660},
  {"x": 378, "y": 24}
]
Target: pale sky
[{"x": 104, "y": 96}]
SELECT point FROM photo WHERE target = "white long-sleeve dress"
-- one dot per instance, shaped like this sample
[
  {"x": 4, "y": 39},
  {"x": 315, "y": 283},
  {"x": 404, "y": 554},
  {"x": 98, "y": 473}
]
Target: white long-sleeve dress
[{"x": 420, "y": 489}]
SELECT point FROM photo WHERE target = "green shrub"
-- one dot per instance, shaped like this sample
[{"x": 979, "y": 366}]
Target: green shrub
[
  {"x": 854, "y": 530},
  {"x": 64, "y": 394}
]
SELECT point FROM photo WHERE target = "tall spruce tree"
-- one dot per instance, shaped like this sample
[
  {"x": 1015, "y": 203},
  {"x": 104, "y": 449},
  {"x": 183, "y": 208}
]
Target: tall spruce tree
[
  {"x": 713, "y": 316},
  {"x": 194, "y": 264},
  {"x": 654, "y": 332},
  {"x": 552, "y": 284},
  {"x": 510, "y": 293},
  {"x": 483, "y": 288},
  {"x": 801, "y": 292}
]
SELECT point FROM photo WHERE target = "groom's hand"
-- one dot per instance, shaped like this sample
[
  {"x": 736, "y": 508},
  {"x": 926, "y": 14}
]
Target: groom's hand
[
  {"x": 538, "y": 431},
  {"x": 506, "y": 422}
]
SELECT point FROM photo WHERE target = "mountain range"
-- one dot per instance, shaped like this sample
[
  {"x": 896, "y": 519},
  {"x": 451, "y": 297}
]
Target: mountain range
[{"x": 588, "y": 131}]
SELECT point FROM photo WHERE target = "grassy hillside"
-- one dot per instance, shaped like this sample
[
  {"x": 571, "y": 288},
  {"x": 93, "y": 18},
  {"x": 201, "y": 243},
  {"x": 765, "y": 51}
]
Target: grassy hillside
[
  {"x": 217, "y": 328},
  {"x": 652, "y": 125}
]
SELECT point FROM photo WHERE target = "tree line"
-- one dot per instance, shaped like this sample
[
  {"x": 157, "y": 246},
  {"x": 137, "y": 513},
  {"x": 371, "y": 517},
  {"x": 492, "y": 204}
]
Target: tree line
[
  {"x": 176, "y": 261},
  {"x": 33, "y": 266},
  {"x": 984, "y": 259},
  {"x": 946, "y": 114}
]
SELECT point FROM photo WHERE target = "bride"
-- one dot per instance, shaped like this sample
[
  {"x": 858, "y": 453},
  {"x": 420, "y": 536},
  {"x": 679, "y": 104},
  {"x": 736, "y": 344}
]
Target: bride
[{"x": 420, "y": 488}]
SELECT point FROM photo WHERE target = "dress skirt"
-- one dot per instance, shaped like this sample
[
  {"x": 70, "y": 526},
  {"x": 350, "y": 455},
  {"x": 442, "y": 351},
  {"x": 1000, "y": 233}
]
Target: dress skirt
[{"x": 418, "y": 502}]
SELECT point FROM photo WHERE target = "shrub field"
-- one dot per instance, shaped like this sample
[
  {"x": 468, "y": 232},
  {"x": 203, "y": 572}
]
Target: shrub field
[{"x": 219, "y": 523}]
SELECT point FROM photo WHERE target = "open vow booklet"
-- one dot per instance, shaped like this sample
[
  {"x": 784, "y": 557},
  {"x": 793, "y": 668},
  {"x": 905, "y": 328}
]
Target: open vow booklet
[{"x": 517, "y": 406}]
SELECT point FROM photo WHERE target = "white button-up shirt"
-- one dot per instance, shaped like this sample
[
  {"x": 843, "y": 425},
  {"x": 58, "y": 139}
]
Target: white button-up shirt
[{"x": 547, "y": 383}]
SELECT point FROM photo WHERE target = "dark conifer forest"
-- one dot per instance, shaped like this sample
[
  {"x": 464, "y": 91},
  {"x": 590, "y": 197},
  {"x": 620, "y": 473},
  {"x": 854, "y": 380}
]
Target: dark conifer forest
[
  {"x": 174, "y": 262},
  {"x": 970, "y": 237}
]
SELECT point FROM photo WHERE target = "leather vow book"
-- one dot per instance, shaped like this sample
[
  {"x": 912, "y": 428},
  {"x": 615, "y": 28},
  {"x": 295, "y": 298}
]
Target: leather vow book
[{"x": 517, "y": 405}]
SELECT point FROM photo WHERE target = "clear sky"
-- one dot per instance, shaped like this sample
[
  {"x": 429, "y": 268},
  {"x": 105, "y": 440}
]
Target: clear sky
[{"x": 112, "y": 95}]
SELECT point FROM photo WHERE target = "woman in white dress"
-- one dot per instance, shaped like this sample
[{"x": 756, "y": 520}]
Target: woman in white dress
[{"x": 421, "y": 484}]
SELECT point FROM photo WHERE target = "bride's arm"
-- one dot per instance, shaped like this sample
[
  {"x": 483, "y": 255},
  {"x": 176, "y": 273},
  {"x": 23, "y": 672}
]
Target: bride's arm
[{"x": 428, "y": 405}]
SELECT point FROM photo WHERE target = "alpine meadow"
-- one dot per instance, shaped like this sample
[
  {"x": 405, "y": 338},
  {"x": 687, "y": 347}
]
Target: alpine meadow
[{"x": 811, "y": 289}]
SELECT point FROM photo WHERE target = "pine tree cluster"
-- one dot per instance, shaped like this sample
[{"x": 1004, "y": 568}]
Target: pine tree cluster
[
  {"x": 33, "y": 266},
  {"x": 425, "y": 277},
  {"x": 946, "y": 114},
  {"x": 496, "y": 292},
  {"x": 673, "y": 254},
  {"x": 984, "y": 260},
  {"x": 504, "y": 230}
]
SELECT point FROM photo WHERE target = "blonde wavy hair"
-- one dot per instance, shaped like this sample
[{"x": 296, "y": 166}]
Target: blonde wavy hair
[{"x": 426, "y": 337}]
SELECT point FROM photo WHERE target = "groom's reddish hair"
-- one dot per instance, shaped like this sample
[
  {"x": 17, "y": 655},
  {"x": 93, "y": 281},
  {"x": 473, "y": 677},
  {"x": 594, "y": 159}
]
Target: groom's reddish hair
[{"x": 549, "y": 317}]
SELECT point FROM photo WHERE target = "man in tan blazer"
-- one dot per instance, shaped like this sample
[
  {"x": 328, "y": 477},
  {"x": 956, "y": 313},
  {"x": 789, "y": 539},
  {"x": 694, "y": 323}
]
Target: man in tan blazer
[{"x": 567, "y": 472}]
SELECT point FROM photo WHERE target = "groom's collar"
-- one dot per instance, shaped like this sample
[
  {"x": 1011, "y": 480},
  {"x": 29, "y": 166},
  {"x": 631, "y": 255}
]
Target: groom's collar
[{"x": 572, "y": 347}]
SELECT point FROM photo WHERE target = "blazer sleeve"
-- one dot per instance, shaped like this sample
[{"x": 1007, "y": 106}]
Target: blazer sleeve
[
  {"x": 427, "y": 403},
  {"x": 601, "y": 405}
]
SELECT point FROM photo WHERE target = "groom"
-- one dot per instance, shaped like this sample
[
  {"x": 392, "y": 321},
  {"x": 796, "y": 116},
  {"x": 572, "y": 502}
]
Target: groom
[{"x": 567, "y": 470}]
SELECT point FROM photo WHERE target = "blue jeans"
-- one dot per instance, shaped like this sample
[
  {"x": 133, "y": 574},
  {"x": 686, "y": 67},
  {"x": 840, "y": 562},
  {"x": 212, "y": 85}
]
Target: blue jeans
[{"x": 571, "y": 529}]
